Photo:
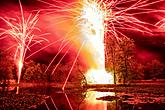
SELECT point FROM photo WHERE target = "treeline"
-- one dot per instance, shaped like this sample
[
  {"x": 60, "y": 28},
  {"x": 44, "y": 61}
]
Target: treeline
[
  {"x": 37, "y": 72},
  {"x": 7, "y": 68},
  {"x": 121, "y": 61}
]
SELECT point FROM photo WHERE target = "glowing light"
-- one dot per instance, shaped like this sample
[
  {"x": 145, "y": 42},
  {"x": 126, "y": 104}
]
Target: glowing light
[
  {"x": 20, "y": 65},
  {"x": 101, "y": 17},
  {"x": 92, "y": 95},
  {"x": 91, "y": 103},
  {"x": 93, "y": 17},
  {"x": 98, "y": 19},
  {"x": 99, "y": 76},
  {"x": 21, "y": 31},
  {"x": 93, "y": 28},
  {"x": 93, "y": 31}
]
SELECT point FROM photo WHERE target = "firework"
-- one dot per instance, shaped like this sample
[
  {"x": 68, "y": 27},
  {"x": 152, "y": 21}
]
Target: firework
[
  {"x": 113, "y": 15},
  {"x": 98, "y": 19},
  {"x": 21, "y": 31}
]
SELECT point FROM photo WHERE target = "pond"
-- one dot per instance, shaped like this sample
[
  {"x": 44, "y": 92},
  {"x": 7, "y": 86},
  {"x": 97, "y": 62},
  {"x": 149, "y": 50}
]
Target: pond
[{"x": 95, "y": 99}]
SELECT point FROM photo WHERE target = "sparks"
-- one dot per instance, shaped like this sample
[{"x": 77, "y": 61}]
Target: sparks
[
  {"x": 98, "y": 19},
  {"x": 161, "y": 25},
  {"x": 93, "y": 28},
  {"x": 101, "y": 17},
  {"x": 21, "y": 30}
]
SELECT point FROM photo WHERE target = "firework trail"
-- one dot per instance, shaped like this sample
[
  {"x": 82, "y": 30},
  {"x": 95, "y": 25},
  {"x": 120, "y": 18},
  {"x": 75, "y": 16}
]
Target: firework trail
[
  {"x": 21, "y": 31},
  {"x": 161, "y": 24},
  {"x": 64, "y": 43},
  {"x": 53, "y": 103},
  {"x": 98, "y": 19},
  {"x": 63, "y": 87},
  {"x": 68, "y": 101},
  {"x": 61, "y": 60}
]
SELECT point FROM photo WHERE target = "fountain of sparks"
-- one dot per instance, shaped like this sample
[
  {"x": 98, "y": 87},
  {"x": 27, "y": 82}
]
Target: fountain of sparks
[
  {"x": 21, "y": 30},
  {"x": 100, "y": 17},
  {"x": 96, "y": 18},
  {"x": 93, "y": 29}
]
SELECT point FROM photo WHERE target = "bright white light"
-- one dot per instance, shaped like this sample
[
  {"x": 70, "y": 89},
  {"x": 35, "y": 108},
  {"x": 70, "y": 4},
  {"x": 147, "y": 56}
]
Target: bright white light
[
  {"x": 93, "y": 18},
  {"x": 20, "y": 65},
  {"x": 93, "y": 28},
  {"x": 99, "y": 76}
]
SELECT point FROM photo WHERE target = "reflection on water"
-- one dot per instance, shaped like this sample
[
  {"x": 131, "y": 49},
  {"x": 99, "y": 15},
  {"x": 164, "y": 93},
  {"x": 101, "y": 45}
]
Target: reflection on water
[
  {"x": 92, "y": 100},
  {"x": 91, "y": 103},
  {"x": 17, "y": 91}
]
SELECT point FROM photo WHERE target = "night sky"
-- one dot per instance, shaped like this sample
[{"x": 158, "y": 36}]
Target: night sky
[{"x": 148, "y": 47}]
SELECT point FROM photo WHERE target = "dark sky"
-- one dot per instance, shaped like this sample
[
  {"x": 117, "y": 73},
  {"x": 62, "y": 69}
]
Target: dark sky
[{"x": 147, "y": 46}]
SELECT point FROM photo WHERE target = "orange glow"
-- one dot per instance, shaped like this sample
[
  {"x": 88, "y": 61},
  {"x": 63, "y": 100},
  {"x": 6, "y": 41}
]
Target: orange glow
[
  {"x": 20, "y": 65},
  {"x": 84, "y": 21},
  {"x": 99, "y": 76},
  {"x": 93, "y": 29},
  {"x": 91, "y": 103}
]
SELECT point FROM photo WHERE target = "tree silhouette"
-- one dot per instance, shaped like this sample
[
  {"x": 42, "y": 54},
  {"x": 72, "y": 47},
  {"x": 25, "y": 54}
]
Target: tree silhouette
[
  {"x": 7, "y": 67},
  {"x": 154, "y": 69}
]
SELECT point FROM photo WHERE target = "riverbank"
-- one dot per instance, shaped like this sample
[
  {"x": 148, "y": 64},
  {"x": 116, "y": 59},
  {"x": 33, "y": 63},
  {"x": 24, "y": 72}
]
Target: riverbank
[{"x": 10, "y": 101}]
